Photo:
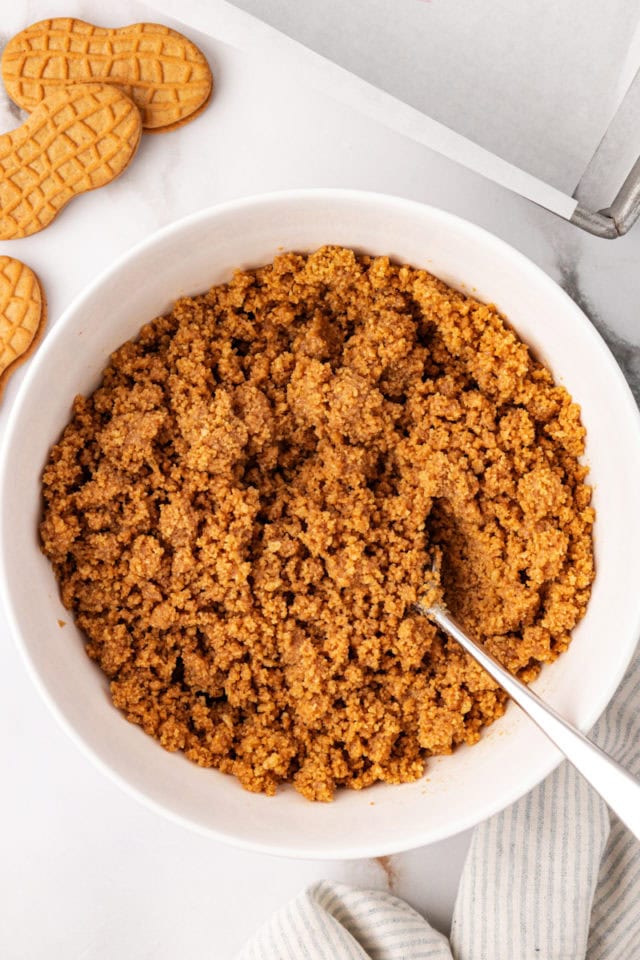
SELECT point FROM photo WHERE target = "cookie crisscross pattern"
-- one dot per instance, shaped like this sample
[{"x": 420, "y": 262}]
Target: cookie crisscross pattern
[
  {"x": 80, "y": 137},
  {"x": 165, "y": 74},
  {"x": 21, "y": 308}
]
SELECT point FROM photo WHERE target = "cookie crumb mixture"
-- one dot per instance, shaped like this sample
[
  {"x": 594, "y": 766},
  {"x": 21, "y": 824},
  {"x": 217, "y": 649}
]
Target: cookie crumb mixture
[{"x": 242, "y": 515}]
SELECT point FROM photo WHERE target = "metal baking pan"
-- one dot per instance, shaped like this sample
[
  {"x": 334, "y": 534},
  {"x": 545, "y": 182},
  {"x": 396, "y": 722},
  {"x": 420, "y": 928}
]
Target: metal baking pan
[{"x": 617, "y": 219}]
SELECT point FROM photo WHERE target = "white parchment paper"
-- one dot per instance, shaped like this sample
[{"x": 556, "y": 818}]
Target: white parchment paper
[
  {"x": 520, "y": 92},
  {"x": 535, "y": 81}
]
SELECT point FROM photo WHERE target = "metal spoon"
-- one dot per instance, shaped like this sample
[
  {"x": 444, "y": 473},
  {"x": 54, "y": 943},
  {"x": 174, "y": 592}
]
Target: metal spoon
[{"x": 615, "y": 785}]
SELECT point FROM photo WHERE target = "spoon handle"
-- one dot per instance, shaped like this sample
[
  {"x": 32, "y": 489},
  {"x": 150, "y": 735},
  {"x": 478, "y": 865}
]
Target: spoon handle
[{"x": 615, "y": 785}]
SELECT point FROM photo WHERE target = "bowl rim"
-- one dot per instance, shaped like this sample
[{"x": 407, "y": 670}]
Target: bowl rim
[{"x": 325, "y": 195}]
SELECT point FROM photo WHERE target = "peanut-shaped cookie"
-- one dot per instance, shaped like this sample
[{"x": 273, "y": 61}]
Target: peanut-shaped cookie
[
  {"x": 22, "y": 315},
  {"x": 79, "y": 137},
  {"x": 166, "y": 75}
]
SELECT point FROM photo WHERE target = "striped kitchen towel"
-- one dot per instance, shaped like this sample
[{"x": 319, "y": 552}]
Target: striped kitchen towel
[{"x": 554, "y": 877}]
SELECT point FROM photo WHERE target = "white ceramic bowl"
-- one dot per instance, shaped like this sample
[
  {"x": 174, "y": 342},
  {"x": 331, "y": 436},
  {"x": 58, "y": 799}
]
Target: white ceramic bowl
[{"x": 188, "y": 257}]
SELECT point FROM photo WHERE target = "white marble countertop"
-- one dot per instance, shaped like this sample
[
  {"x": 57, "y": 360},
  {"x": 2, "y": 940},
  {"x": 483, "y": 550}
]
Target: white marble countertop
[{"x": 85, "y": 871}]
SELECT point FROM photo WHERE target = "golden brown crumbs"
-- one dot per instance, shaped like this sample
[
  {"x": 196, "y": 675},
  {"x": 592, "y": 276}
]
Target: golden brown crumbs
[{"x": 242, "y": 516}]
